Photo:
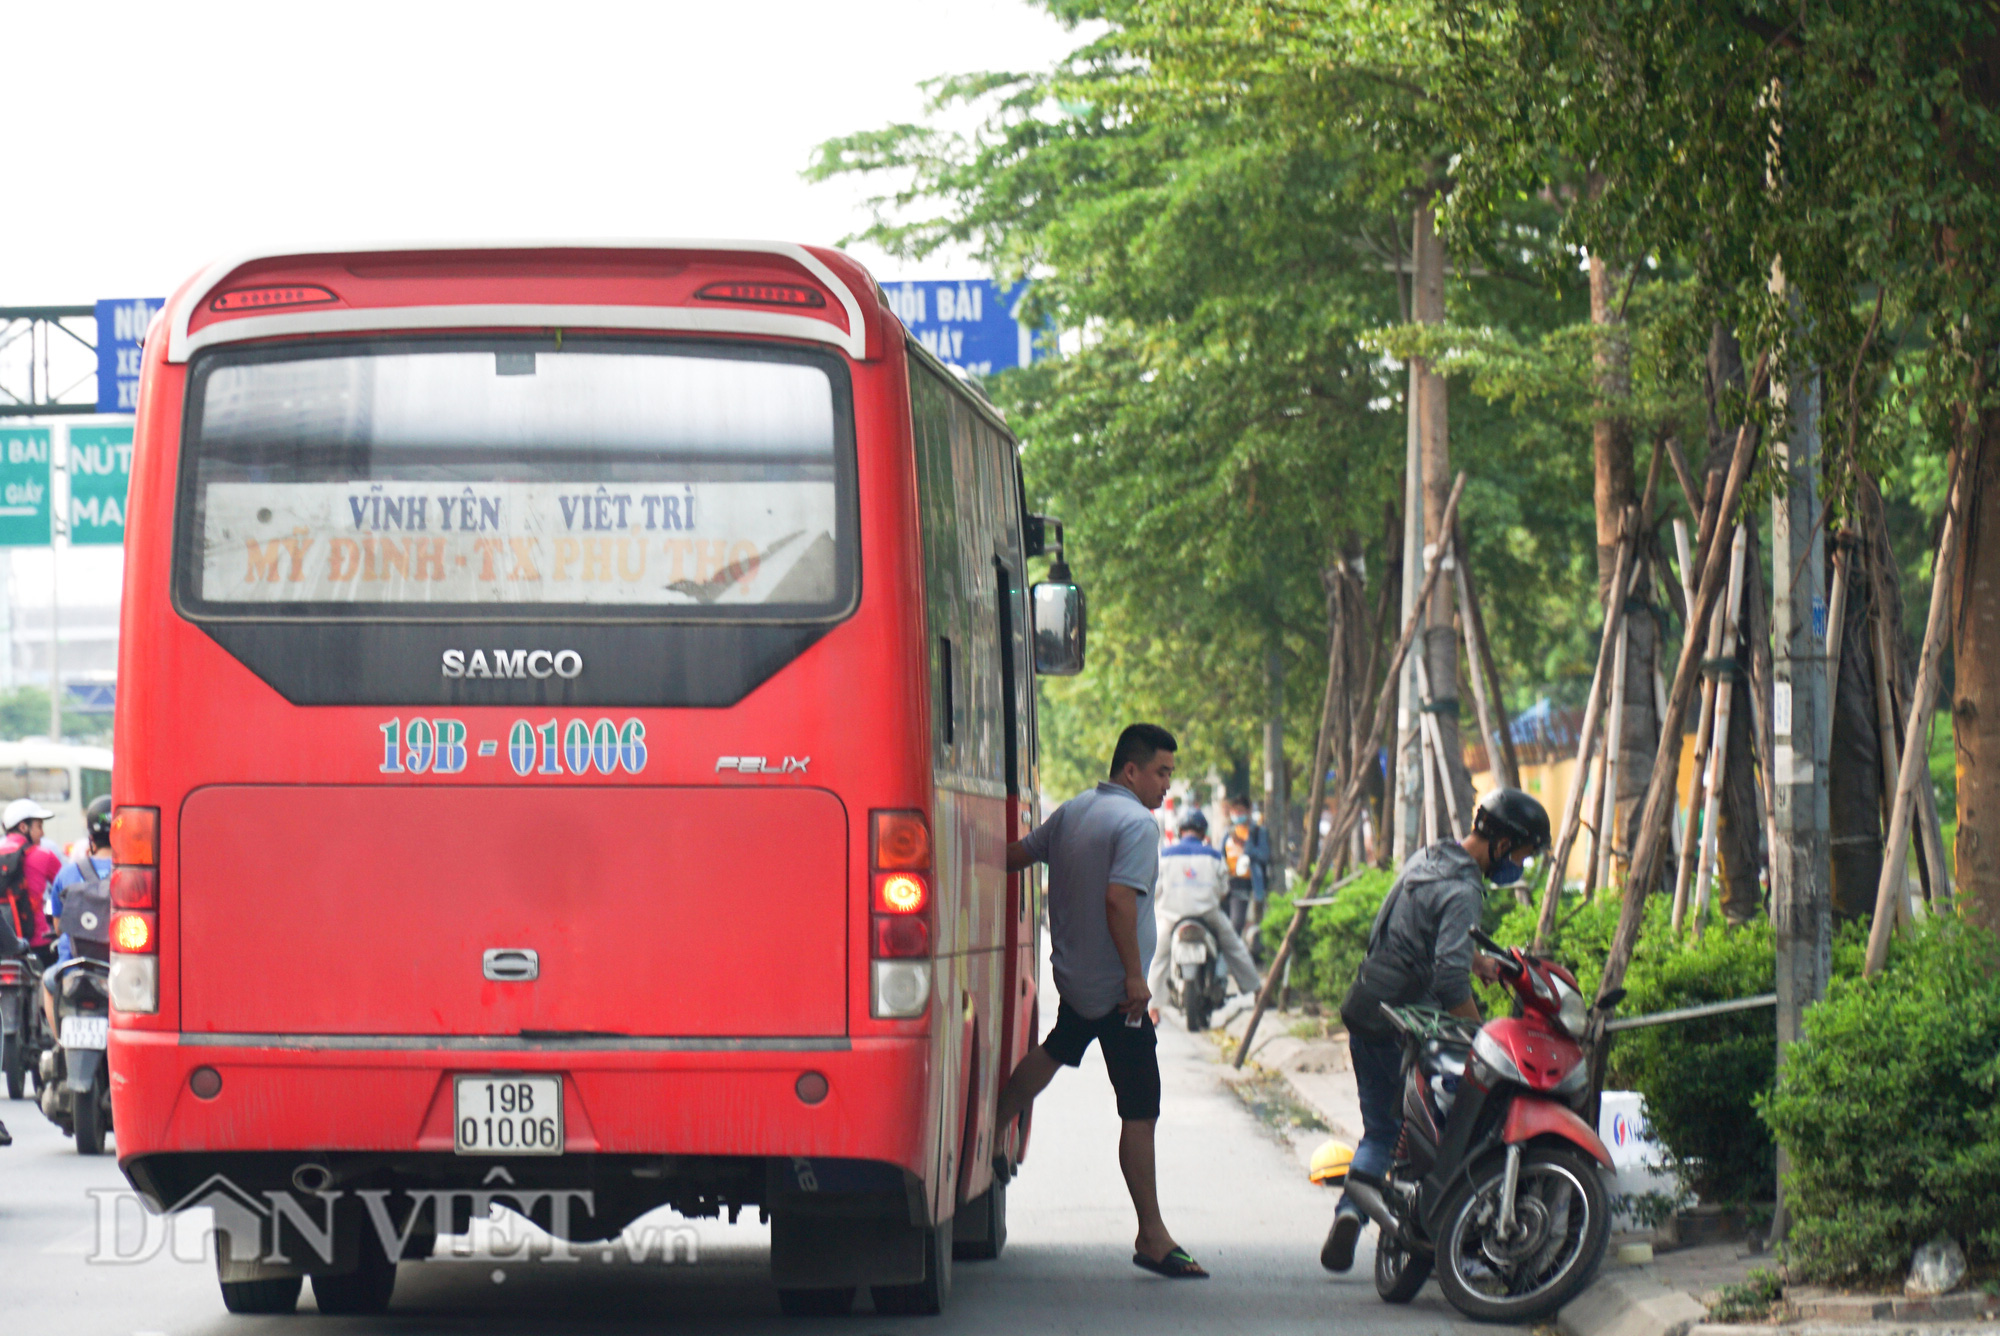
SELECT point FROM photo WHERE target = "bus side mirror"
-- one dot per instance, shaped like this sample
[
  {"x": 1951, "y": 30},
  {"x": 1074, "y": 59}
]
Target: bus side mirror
[{"x": 1059, "y": 627}]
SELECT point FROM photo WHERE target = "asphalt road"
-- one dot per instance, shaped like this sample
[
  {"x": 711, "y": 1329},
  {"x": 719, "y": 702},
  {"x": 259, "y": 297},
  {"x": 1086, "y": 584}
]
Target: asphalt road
[{"x": 1232, "y": 1193}]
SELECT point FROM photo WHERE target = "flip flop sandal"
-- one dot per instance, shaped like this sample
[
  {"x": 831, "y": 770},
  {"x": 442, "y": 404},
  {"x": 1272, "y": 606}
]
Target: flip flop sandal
[{"x": 1176, "y": 1265}]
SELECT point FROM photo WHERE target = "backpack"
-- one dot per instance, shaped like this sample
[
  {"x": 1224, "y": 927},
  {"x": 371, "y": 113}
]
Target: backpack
[
  {"x": 86, "y": 915},
  {"x": 14, "y": 888}
]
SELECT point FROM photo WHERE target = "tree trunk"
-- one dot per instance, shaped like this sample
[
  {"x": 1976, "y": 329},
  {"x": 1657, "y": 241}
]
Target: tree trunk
[
  {"x": 1380, "y": 786},
  {"x": 1975, "y": 656},
  {"x": 1612, "y": 490},
  {"x": 1854, "y": 757},
  {"x": 1440, "y": 648}
]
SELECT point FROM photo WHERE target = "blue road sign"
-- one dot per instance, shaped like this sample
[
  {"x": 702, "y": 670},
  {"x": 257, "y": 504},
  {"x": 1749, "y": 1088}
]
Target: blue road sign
[
  {"x": 969, "y": 323},
  {"x": 121, "y": 328}
]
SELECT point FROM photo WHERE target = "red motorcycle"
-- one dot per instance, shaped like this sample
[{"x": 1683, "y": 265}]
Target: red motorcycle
[{"x": 1496, "y": 1179}]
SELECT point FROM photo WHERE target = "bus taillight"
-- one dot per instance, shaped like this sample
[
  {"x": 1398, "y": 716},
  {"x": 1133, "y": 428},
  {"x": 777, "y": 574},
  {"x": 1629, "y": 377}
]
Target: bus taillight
[
  {"x": 763, "y": 294},
  {"x": 135, "y": 836},
  {"x": 135, "y": 935},
  {"x": 135, "y": 888},
  {"x": 899, "y": 845}
]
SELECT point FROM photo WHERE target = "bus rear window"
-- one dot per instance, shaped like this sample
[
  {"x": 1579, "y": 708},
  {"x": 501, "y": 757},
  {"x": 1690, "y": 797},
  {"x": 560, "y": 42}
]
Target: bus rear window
[{"x": 507, "y": 475}]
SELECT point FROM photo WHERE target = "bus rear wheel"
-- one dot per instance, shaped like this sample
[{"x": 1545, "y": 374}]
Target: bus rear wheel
[
  {"x": 928, "y": 1296},
  {"x": 364, "y": 1290},
  {"x": 979, "y": 1230},
  {"x": 278, "y": 1295},
  {"x": 834, "y": 1302}
]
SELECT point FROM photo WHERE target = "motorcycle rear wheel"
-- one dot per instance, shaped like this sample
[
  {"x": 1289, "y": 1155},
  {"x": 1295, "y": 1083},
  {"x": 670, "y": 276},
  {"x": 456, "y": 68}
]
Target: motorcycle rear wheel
[
  {"x": 1399, "y": 1273},
  {"x": 89, "y": 1112},
  {"x": 13, "y": 1056},
  {"x": 1563, "y": 1225}
]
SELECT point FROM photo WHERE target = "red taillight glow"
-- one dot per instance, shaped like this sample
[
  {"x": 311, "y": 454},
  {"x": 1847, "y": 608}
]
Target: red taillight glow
[
  {"x": 134, "y": 888},
  {"x": 763, "y": 294},
  {"x": 899, "y": 861},
  {"x": 132, "y": 933},
  {"x": 10, "y": 974},
  {"x": 901, "y": 893},
  {"x": 135, "y": 836},
  {"x": 263, "y": 299},
  {"x": 902, "y": 841}
]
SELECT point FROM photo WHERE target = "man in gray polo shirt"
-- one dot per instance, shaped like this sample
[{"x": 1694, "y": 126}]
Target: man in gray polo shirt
[{"x": 1103, "y": 852}]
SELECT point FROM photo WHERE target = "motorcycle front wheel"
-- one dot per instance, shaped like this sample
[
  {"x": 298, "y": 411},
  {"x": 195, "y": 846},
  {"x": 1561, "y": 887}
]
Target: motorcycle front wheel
[
  {"x": 1562, "y": 1223},
  {"x": 1399, "y": 1273}
]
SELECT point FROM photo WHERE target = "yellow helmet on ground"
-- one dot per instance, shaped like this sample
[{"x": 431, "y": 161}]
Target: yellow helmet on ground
[{"x": 1330, "y": 1163}]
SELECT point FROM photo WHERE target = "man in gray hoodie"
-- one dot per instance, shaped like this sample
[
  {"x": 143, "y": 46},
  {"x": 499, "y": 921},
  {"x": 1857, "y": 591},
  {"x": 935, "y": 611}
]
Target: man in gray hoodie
[{"x": 1420, "y": 952}]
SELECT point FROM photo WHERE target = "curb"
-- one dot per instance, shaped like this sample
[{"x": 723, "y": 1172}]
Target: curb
[
  {"x": 1632, "y": 1303},
  {"x": 1847, "y": 1329}
]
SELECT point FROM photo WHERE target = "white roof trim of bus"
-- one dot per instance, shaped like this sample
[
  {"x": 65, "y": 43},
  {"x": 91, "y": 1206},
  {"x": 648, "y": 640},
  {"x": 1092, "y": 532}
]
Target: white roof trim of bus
[{"x": 181, "y": 344}]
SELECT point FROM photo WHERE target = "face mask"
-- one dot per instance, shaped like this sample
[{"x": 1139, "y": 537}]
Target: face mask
[{"x": 1504, "y": 874}]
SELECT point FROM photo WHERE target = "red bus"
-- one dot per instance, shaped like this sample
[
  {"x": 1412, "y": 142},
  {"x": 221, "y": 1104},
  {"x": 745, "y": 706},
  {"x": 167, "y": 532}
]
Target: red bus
[{"x": 574, "y": 702}]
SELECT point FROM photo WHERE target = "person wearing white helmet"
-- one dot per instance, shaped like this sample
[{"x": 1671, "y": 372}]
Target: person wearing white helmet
[{"x": 26, "y": 869}]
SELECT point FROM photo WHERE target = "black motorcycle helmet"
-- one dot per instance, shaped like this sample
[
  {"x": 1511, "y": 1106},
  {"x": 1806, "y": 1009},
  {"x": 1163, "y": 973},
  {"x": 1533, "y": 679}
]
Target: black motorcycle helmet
[
  {"x": 1512, "y": 815},
  {"x": 97, "y": 817},
  {"x": 1195, "y": 822}
]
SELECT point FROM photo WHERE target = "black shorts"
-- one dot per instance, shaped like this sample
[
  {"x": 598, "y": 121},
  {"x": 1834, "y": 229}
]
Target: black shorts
[{"x": 1130, "y": 1055}]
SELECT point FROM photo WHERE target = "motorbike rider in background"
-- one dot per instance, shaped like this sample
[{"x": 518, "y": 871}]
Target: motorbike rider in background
[
  {"x": 1247, "y": 850},
  {"x": 23, "y": 820},
  {"x": 1192, "y": 884},
  {"x": 97, "y": 823},
  {"x": 1420, "y": 951}
]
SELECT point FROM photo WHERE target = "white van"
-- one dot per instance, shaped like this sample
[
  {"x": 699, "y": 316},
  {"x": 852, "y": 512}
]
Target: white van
[{"x": 61, "y": 777}]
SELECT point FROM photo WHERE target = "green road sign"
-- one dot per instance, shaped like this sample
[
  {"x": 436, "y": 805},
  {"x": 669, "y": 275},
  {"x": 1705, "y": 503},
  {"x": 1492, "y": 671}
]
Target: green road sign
[
  {"x": 100, "y": 467},
  {"x": 24, "y": 487}
]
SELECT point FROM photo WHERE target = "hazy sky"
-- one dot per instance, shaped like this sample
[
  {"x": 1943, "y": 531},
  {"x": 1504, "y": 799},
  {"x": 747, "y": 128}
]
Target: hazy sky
[{"x": 194, "y": 129}]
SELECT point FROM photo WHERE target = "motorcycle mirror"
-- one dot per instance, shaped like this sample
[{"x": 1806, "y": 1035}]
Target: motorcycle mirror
[{"x": 1610, "y": 1000}]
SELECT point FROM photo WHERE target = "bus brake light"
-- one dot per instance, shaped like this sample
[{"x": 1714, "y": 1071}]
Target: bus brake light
[
  {"x": 263, "y": 299},
  {"x": 135, "y": 836},
  {"x": 762, "y": 294},
  {"x": 901, "y": 893},
  {"x": 132, "y": 933}
]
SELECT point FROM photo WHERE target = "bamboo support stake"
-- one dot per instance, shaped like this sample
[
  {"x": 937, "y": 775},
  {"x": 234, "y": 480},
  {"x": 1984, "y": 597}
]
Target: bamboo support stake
[
  {"x": 1892, "y": 753},
  {"x": 1836, "y": 627},
  {"x": 1923, "y": 697},
  {"x": 1614, "y": 744},
  {"x": 1336, "y": 653},
  {"x": 1489, "y": 733},
  {"x": 1349, "y": 810},
  {"x": 1496, "y": 695},
  {"x": 1930, "y": 837},
  {"x": 1586, "y": 743},
  {"x": 1686, "y": 559},
  {"x": 1277, "y": 971},
  {"x": 1718, "y": 754},
  {"x": 1653, "y": 823},
  {"x": 1435, "y": 736},
  {"x": 1695, "y": 835},
  {"x": 1917, "y": 733}
]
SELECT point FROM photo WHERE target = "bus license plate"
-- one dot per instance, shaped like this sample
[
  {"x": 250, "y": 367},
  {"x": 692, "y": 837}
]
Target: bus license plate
[
  {"x": 508, "y": 1115},
  {"x": 86, "y": 1031}
]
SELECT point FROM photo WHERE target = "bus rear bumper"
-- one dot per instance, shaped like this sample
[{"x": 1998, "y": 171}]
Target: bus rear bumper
[{"x": 293, "y": 1099}]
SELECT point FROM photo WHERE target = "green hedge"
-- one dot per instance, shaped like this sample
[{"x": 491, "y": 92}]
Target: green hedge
[{"x": 1890, "y": 1110}]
